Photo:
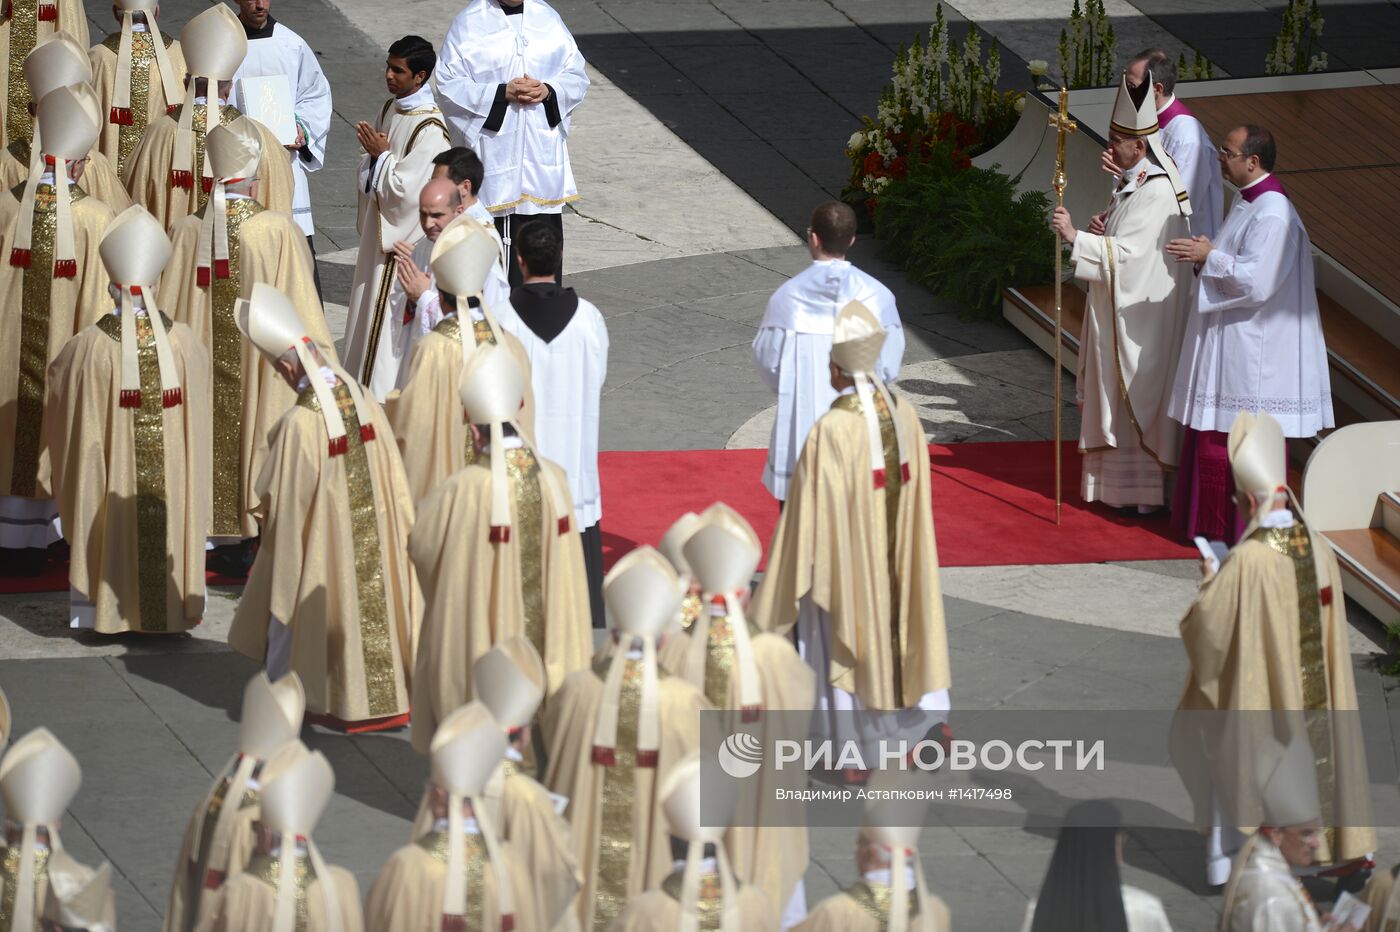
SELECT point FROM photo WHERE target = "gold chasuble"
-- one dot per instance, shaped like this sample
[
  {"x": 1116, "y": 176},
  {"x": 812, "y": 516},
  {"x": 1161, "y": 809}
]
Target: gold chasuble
[
  {"x": 24, "y": 23},
  {"x": 478, "y": 590},
  {"x": 132, "y": 482},
  {"x": 217, "y": 846},
  {"x": 1269, "y": 632},
  {"x": 407, "y": 896},
  {"x": 865, "y": 555},
  {"x": 661, "y": 909},
  {"x": 249, "y": 901},
  {"x": 434, "y": 437},
  {"x": 333, "y": 564},
  {"x": 148, "y": 102},
  {"x": 620, "y": 835},
  {"x": 148, "y": 170},
  {"x": 38, "y": 314},
  {"x": 248, "y": 395},
  {"x": 100, "y": 178},
  {"x": 865, "y": 907}
]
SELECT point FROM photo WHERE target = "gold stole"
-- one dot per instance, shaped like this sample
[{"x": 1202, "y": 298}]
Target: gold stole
[
  {"x": 24, "y": 35},
  {"x": 35, "y": 311},
  {"x": 894, "y": 485},
  {"x": 148, "y": 430},
  {"x": 719, "y": 660},
  {"x": 269, "y": 870},
  {"x": 451, "y": 328},
  {"x": 435, "y": 843},
  {"x": 616, "y": 831},
  {"x": 9, "y": 876},
  {"x": 711, "y": 901},
  {"x": 691, "y": 607},
  {"x": 1295, "y": 543},
  {"x": 143, "y": 53},
  {"x": 523, "y": 473},
  {"x": 377, "y": 650},
  {"x": 227, "y": 114},
  {"x": 226, "y": 343},
  {"x": 875, "y": 900}
]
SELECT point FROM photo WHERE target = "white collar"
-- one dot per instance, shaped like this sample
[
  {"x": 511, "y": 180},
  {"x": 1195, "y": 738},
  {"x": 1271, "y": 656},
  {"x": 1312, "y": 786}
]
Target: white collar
[
  {"x": 515, "y": 755},
  {"x": 510, "y": 443},
  {"x": 1256, "y": 181},
  {"x": 423, "y": 97},
  {"x": 848, "y": 390},
  {"x": 707, "y": 866},
  {"x": 276, "y": 850},
  {"x": 326, "y": 373},
  {"x": 1281, "y": 518},
  {"x": 1171, "y": 99},
  {"x": 139, "y": 309},
  {"x": 48, "y": 178},
  {"x": 138, "y": 26},
  {"x": 881, "y": 877},
  {"x": 468, "y": 825}
]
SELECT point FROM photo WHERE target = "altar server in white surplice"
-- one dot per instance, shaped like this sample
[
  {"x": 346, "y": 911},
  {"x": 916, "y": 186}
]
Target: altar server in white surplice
[
  {"x": 1136, "y": 312},
  {"x": 510, "y": 77},
  {"x": 1185, "y": 140},
  {"x": 273, "y": 49},
  {"x": 793, "y": 347},
  {"x": 397, "y": 162},
  {"x": 567, "y": 342}
]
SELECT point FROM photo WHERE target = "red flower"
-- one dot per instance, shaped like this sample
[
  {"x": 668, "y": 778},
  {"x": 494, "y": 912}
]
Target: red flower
[
  {"x": 899, "y": 168},
  {"x": 874, "y": 164}
]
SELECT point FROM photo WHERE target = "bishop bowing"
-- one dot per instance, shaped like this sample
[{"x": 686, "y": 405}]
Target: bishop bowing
[
  {"x": 853, "y": 561},
  {"x": 78, "y": 897},
  {"x": 287, "y": 886},
  {"x": 167, "y": 172},
  {"x": 434, "y": 436},
  {"x": 566, "y": 339},
  {"x": 1254, "y": 338},
  {"x": 398, "y": 161},
  {"x": 25, "y": 25},
  {"x": 138, "y": 73},
  {"x": 613, "y": 734},
  {"x": 57, "y": 62},
  {"x": 494, "y": 553},
  {"x": 510, "y": 78},
  {"x": 703, "y": 891},
  {"x": 1136, "y": 314},
  {"x": 220, "y": 252},
  {"x": 461, "y": 874},
  {"x": 464, "y": 168},
  {"x": 39, "y": 778},
  {"x": 220, "y": 834},
  {"x": 1268, "y": 633},
  {"x": 128, "y": 444},
  {"x": 332, "y": 594},
  {"x": 793, "y": 344},
  {"x": 52, "y": 285}
]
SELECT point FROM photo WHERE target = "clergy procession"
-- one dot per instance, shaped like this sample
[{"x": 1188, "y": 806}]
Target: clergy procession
[{"x": 406, "y": 510}]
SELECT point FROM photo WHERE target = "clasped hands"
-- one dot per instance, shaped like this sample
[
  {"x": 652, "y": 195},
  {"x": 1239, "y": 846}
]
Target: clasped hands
[
  {"x": 412, "y": 279},
  {"x": 526, "y": 90}
]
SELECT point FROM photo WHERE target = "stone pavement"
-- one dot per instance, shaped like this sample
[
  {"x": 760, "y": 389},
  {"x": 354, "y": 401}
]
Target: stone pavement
[{"x": 711, "y": 130}]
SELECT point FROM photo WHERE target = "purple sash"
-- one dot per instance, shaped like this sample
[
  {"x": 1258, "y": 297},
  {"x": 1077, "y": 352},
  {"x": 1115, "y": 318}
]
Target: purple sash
[
  {"x": 1173, "y": 110},
  {"x": 1270, "y": 183}
]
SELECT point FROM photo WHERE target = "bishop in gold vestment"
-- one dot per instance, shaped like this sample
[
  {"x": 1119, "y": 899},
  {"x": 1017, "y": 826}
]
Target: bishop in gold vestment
[
  {"x": 613, "y": 733},
  {"x": 167, "y": 172},
  {"x": 128, "y": 443},
  {"x": 461, "y": 873},
  {"x": 855, "y": 546},
  {"x": 219, "y": 837},
  {"x": 152, "y": 66},
  {"x": 25, "y": 23},
  {"x": 1268, "y": 633},
  {"x": 332, "y": 594},
  {"x": 495, "y": 554},
  {"x": 52, "y": 285},
  {"x": 38, "y": 779},
  {"x": 434, "y": 437},
  {"x": 201, "y": 288},
  {"x": 56, "y": 62}
]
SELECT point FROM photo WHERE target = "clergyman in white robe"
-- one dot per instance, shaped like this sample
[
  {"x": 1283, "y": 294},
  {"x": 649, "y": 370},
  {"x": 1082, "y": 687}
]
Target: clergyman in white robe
[
  {"x": 1189, "y": 145},
  {"x": 1254, "y": 336},
  {"x": 523, "y": 146},
  {"x": 276, "y": 50},
  {"x": 388, "y": 212},
  {"x": 793, "y": 349}
]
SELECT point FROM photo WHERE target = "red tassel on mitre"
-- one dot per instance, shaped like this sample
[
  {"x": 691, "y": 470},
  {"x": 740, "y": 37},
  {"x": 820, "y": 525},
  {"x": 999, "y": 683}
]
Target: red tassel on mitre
[
  {"x": 508, "y": 922},
  {"x": 207, "y": 184},
  {"x": 48, "y": 13},
  {"x": 646, "y": 758},
  {"x": 366, "y": 433},
  {"x": 9, "y": 9},
  {"x": 339, "y": 446},
  {"x": 878, "y": 477},
  {"x": 119, "y": 116},
  {"x": 130, "y": 398},
  {"x": 202, "y": 277},
  {"x": 500, "y": 534},
  {"x": 221, "y": 268},
  {"x": 904, "y": 471},
  {"x": 751, "y": 713},
  {"x": 172, "y": 397},
  {"x": 182, "y": 179},
  {"x": 19, "y": 258},
  {"x": 454, "y": 923},
  {"x": 65, "y": 268},
  {"x": 564, "y": 525},
  {"x": 604, "y": 757},
  {"x": 1324, "y": 595}
]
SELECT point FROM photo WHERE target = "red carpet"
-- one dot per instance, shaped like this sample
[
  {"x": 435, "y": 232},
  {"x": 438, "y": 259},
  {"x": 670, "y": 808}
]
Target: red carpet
[
  {"x": 56, "y": 580},
  {"x": 993, "y": 505}
]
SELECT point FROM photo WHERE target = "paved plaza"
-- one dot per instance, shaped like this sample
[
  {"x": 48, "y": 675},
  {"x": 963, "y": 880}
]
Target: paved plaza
[{"x": 710, "y": 131}]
